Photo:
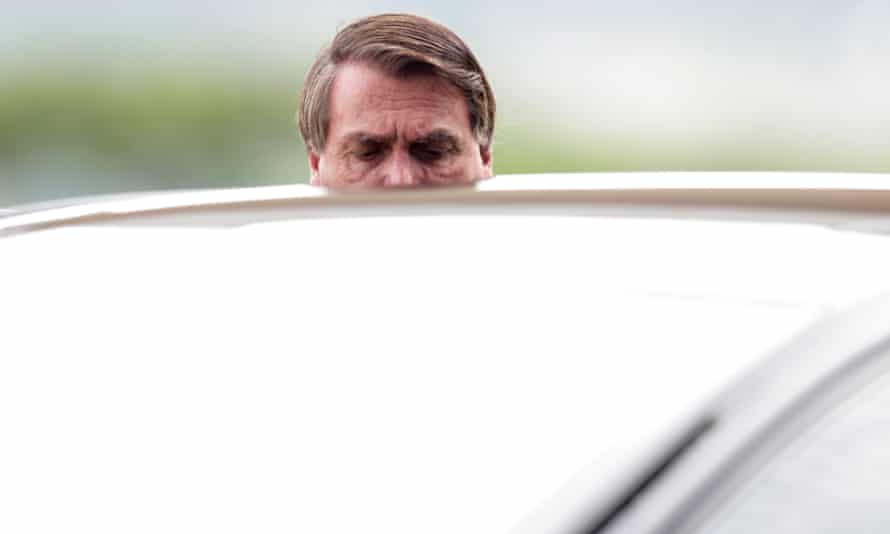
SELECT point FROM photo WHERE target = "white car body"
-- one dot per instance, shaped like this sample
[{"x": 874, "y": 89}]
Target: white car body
[{"x": 506, "y": 358}]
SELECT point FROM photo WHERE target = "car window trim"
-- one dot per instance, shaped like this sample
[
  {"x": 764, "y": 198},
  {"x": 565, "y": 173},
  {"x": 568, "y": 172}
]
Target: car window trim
[{"x": 749, "y": 410}]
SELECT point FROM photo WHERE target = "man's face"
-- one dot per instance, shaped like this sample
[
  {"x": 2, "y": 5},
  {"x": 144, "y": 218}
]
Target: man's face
[{"x": 397, "y": 132}]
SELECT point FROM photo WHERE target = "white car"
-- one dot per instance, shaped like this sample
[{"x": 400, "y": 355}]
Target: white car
[{"x": 622, "y": 353}]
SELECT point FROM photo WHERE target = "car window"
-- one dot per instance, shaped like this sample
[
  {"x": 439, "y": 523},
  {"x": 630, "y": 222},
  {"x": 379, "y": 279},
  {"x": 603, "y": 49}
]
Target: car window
[{"x": 832, "y": 478}]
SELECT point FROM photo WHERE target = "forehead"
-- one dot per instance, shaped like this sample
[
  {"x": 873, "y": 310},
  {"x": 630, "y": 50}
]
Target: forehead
[{"x": 367, "y": 99}]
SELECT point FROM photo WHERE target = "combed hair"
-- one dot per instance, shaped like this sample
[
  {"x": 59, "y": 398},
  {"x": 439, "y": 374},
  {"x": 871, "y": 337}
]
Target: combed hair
[{"x": 401, "y": 45}]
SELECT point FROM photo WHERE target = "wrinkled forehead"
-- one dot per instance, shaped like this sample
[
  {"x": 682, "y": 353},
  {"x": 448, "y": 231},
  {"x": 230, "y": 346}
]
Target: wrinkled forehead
[{"x": 365, "y": 98}]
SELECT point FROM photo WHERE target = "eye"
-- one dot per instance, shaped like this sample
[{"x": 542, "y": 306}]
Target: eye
[
  {"x": 428, "y": 153},
  {"x": 368, "y": 153}
]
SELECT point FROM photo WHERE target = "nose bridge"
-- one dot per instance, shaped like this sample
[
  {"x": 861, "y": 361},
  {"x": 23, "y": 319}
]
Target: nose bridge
[{"x": 402, "y": 170}]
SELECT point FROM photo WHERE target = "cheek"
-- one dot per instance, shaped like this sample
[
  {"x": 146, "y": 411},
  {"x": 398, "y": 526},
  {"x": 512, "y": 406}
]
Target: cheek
[
  {"x": 461, "y": 169},
  {"x": 335, "y": 170}
]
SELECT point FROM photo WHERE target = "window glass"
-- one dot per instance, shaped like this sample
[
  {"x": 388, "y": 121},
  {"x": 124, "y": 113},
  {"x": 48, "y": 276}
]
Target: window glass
[{"x": 835, "y": 478}]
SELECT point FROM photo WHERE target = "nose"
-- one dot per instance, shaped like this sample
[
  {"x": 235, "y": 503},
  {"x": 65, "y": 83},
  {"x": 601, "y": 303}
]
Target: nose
[{"x": 402, "y": 170}]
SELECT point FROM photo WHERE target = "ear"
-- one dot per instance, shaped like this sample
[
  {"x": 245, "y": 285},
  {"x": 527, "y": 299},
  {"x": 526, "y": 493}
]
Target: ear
[
  {"x": 314, "y": 160},
  {"x": 487, "y": 161}
]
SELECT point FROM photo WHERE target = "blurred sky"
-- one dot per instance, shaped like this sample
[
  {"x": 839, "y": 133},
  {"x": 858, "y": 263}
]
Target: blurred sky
[{"x": 792, "y": 73}]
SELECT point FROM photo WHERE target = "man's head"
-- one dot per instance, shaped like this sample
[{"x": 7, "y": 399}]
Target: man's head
[{"x": 397, "y": 100}]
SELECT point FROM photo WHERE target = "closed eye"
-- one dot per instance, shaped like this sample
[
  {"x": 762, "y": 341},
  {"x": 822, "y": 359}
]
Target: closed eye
[
  {"x": 369, "y": 151},
  {"x": 435, "y": 146},
  {"x": 368, "y": 155},
  {"x": 430, "y": 152},
  {"x": 427, "y": 153}
]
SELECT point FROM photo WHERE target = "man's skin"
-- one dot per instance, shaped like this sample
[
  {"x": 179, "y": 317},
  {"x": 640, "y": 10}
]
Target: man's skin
[{"x": 397, "y": 132}]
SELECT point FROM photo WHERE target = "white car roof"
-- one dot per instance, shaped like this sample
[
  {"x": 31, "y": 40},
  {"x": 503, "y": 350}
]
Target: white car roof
[{"x": 826, "y": 195}]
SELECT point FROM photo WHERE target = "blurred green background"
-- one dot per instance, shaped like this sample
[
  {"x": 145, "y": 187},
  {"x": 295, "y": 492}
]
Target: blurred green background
[{"x": 103, "y": 97}]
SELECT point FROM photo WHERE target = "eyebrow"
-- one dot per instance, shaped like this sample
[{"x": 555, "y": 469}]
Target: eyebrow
[
  {"x": 365, "y": 137},
  {"x": 439, "y": 136}
]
